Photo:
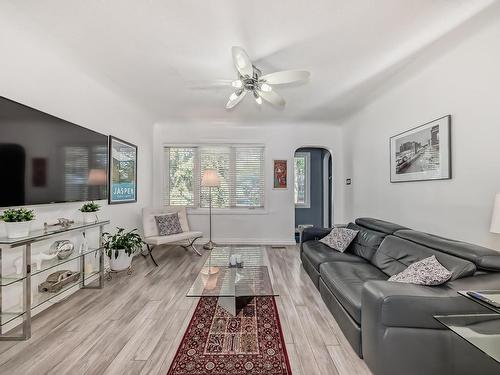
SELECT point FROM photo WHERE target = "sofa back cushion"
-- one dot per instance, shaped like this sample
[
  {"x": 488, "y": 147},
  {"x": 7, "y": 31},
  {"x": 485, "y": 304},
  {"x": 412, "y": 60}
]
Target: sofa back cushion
[
  {"x": 482, "y": 257},
  {"x": 395, "y": 254},
  {"x": 379, "y": 225},
  {"x": 366, "y": 243}
]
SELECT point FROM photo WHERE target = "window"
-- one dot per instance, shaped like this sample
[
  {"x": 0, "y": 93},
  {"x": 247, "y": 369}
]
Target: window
[
  {"x": 240, "y": 168},
  {"x": 302, "y": 179}
]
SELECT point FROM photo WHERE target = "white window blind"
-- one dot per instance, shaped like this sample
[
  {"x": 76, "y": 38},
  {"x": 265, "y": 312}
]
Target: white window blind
[{"x": 240, "y": 168}]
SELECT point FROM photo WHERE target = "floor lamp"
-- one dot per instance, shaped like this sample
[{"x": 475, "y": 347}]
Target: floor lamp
[{"x": 210, "y": 179}]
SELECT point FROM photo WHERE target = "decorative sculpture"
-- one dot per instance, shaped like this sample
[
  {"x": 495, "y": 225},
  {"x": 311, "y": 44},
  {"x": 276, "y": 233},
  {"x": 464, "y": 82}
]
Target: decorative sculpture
[
  {"x": 35, "y": 259},
  {"x": 63, "y": 248},
  {"x": 58, "y": 280}
]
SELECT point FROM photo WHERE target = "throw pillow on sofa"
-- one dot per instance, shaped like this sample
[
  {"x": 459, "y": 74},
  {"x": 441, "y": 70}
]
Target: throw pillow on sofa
[
  {"x": 427, "y": 271},
  {"x": 168, "y": 224},
  {"x": 339, "y": 238}
]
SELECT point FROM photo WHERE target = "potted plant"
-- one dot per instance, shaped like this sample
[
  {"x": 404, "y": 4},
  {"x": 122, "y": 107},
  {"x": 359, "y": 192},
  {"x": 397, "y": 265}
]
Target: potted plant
[
  {"x": 89, "y": 210},
  {"x": 120, "y": 247},
  {"x": 17, "y": 221}
]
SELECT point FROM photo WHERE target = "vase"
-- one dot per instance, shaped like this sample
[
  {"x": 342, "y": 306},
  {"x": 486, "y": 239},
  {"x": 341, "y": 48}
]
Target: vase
[
  {"x": 122, "y": 262},
  {"x": 89, "y": 217},
  {"x": 18, "y": 229}
]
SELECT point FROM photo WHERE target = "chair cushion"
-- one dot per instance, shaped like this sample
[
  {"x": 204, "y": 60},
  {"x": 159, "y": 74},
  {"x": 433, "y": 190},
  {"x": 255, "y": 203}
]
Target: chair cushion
[
  {"x": 162, "y": 240},
  {"x": 396, "y": 254},
  {"x": 339, "y": 238},
  {"x": 168, "y": 224},
  {"x": 318, "y": 253},
  {"x": 366, "y": 243},
  {"x": 149, "y": 223},
  {"x": 346, "y": 280}
]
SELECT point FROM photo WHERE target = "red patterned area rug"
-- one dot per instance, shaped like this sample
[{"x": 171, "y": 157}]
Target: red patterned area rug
[{"x": 217, "y": 343}]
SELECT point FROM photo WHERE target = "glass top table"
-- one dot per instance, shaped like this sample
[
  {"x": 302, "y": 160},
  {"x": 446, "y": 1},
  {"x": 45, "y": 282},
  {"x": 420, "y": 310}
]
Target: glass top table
[
  {"x": 234, "y": 286},
  {"x": 480, "y": 330}
]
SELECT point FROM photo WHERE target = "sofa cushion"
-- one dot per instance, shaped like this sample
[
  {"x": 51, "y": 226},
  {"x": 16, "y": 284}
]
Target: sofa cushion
[
  {"x": 346, "y": 280},
  {"x": 318, "y": 253},
  {"x": 482, "y": 257},
  {"x": 396, "y": 254},
  {"x": 366, "y": 242},
  {"x": 339, "y": 238},
  {"x": 379, "y": 225},
  {"x": 427, "y": 271}
]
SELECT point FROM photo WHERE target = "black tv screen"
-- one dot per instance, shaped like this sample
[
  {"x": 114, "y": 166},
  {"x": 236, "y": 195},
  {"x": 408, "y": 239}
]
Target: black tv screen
[{"x": 44, "y": 159}]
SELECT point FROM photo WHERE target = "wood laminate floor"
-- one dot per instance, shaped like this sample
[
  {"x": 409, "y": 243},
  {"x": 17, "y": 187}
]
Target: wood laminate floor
[{"x": 135, "y": 324}]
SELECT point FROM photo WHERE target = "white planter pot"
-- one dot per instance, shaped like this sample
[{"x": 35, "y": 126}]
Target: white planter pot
[
  {"x": 122, "y": 262},
  {"x": 90, "y": 217},
  {"x": 18, "y": 229}
]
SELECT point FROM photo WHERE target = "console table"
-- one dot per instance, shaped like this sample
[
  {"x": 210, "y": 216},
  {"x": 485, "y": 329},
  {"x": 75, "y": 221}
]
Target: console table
[{"x": 28, "y": 304}]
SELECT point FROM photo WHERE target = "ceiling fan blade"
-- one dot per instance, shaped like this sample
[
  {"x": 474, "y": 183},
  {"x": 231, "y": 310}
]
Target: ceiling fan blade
[
  {"x": 242, "y": 61},
  {"x": 235, "y": 98},
  {"x": 286, "y": 76},
  {"x": 209, "y": 84},
  {"x": 273, "y": 97}
]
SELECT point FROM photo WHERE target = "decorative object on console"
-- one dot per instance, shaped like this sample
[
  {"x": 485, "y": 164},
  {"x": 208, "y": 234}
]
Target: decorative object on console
[
  {"x": 422, "y": 153},
  {"x": 280, "y": 170},
  {"x": 427, "y": 271},
  {"x": 495, "y": 217},
  {"x": 62, "y": 248},
  {"x": 61, "y": 222},
  {"x": 122, "y": 171},
  {"x": 210, "y": 179},
  {"x": 58, "y": 280},
  {"x": 84, "y": 245},
  {"x": 168, "y": 224},
  {"x": 120, "y": 247},
  {"x": 35, "y": 259},
  {"x": 89, "y": 210},
  {"x": 17, "y": 221},
  {"x": 339, "y": 238}
]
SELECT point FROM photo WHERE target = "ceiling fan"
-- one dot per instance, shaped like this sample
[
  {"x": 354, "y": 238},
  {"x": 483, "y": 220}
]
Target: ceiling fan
[{"x": 250, "y": 80}]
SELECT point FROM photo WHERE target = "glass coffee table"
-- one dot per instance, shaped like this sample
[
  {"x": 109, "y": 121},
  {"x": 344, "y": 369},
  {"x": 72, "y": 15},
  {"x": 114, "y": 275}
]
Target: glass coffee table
[{"x": 234, "y": 286}]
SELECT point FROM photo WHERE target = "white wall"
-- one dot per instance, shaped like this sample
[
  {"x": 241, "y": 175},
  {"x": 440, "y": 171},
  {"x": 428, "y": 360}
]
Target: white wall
[
  {"x": 275, "y": 224},
  {"x": 463, "y": 81},
  {"x": 35, "y": 73}
]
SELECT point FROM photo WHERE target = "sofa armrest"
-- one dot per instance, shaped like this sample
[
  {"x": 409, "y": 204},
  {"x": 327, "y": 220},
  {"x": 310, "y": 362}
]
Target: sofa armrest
[
  {"x": 392, "y": 304},
  {"x": 314, "y": 233}
]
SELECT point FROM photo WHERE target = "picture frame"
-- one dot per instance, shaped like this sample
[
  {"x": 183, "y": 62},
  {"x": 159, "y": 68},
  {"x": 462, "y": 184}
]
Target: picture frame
[
  {"x": 122, "y": 172},
  {"x": 280, "y": 174},
  {"x": 422, "y": 153}
]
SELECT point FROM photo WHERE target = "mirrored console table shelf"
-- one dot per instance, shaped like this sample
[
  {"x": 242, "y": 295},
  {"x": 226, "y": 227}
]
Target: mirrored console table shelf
[{"x": 28, "y": 303}]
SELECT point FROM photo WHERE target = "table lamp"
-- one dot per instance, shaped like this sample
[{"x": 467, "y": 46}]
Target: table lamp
[
  {"x": 210, "y": 179},
  {"x": 495, "y": 218}
]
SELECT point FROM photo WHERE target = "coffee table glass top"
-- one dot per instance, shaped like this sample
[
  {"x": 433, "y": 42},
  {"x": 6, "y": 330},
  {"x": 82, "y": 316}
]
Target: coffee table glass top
[
  {"x": 480, "y": 330},
  {"x": 217, "y": 279}
]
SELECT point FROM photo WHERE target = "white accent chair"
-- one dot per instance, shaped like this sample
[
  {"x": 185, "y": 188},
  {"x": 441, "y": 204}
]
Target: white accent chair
[{"x": 152, "y": 237}]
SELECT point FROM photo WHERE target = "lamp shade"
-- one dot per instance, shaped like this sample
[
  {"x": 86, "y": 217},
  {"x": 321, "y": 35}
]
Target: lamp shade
[
  {"x": 495, "y": 219},
  {"x": 97, "y": 177},
  {"x": 210, "y": 178}
]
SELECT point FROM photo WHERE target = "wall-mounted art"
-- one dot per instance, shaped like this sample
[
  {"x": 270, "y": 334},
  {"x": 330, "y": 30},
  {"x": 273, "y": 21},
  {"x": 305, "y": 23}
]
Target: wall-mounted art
[
  {"x": 122, "y": 171},
  {"x": 422, "y": 153},
  {"x": 280, "y": 171}
]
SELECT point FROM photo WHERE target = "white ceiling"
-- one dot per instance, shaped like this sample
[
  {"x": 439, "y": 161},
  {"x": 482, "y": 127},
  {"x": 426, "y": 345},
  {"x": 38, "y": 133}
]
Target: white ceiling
[{"x": 153, "y": 50}]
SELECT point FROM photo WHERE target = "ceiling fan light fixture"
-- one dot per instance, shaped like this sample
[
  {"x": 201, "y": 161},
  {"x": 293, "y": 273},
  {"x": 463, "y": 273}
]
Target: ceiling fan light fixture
[
  {"x": 237, "y": 84},
  {"x": 258, "y": 99},
  {"x": 265, "y": 87}
]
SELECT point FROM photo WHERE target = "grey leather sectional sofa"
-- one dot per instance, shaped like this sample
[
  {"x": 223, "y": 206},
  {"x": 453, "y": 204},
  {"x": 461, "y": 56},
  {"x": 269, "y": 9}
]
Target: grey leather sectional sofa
[{"x": 390, "y": 324}]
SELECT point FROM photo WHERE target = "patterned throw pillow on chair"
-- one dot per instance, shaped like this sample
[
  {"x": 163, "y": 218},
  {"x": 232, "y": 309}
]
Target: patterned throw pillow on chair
[
  {"x": 339, "y": 238},
  {"x": 427, "y": 271},
  {"x": 168, "y": 224}
]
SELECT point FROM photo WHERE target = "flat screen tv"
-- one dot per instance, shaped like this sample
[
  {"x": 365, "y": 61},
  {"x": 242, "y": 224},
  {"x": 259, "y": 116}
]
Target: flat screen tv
[{"x": 44, "y": 159}]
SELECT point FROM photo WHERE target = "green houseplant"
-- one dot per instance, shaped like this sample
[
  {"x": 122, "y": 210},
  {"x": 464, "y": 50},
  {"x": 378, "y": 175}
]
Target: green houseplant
[
  {"x": 89, "y": 210},
  {"x": 120, "y": 247},
  {"x": 17, "y": 221}
]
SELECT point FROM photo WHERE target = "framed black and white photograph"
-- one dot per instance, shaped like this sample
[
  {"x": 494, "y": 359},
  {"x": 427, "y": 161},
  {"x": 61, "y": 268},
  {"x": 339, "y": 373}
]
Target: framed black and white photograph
[
  {"x": 422, "y": 153},
  {"x": 122, "y": 171}
]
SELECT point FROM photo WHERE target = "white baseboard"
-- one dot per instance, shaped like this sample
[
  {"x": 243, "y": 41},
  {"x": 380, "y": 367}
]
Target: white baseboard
[{"x": 248, "y": 241}]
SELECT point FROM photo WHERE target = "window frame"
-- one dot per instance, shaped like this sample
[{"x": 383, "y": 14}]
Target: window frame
[
  {"x": 196, "y": 208},
  {"x": 307, "y": 178}
]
